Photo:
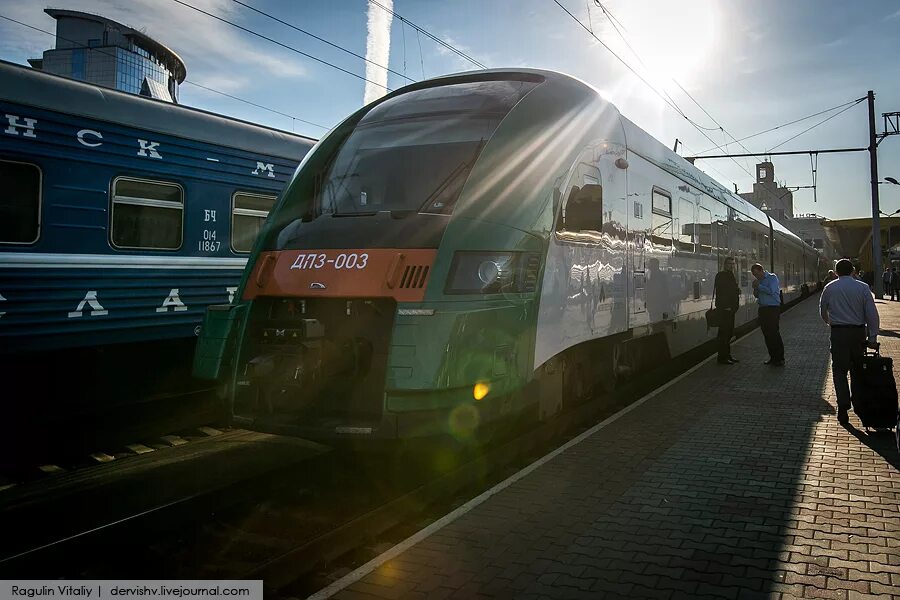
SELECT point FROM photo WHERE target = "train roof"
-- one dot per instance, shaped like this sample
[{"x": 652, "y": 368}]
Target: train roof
[
  {"x": 31, "y": 87},
  {"x": 638, "y": 141}
]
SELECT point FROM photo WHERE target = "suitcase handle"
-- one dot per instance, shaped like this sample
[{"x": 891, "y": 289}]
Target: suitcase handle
[{"x": 876, "y": 351}]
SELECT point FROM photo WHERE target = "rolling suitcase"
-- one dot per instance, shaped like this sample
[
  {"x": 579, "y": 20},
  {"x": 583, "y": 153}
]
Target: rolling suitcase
[{"x": 874, "y": 391}]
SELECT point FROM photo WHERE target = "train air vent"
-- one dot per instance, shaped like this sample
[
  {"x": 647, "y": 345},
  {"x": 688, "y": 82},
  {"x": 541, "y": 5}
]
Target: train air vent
[
  {"x": 530, "y": 272},
  {"x": 414, "y": 277}
]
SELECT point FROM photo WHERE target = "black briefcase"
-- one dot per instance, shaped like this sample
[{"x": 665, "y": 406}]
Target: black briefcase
[
  {"x": 713, "y": 317},
  {"x": 874, "y": 391}
]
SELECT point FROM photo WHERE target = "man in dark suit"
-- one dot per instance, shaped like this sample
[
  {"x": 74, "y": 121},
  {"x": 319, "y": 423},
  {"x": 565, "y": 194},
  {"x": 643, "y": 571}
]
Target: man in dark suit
[{"x": 728, "y": 296}]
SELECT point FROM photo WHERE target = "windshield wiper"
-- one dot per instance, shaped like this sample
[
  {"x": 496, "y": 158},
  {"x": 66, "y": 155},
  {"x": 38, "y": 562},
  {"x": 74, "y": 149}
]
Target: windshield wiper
[{"x": 462, "y": 167}]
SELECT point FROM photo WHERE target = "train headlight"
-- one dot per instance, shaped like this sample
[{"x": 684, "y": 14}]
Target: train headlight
[
  {"x": 493, "y": 272},
  {"x": 489, "y": 272}
]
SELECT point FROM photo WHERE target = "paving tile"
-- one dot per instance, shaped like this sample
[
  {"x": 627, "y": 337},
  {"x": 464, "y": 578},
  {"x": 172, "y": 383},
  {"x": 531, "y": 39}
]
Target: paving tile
[{"x": 732, "y": 483}]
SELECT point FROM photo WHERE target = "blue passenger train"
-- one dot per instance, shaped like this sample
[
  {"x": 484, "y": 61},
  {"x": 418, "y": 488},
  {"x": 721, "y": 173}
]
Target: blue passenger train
[{"x": 121, "y": 219}]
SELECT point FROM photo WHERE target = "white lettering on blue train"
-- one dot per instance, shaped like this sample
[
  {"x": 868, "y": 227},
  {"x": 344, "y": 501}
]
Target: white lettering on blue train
[
  {"x": 172, "y": 300},
  {"x": 230, "y": 290},
  {"x": 209, "y": 215},
  {"x": 14, "y": 125},
  {"x": 90, "y": 300},
  {"x": 267, "y": 168},
  {"x": 90, "y": 132},
  {"x": 148, "y": 149}
]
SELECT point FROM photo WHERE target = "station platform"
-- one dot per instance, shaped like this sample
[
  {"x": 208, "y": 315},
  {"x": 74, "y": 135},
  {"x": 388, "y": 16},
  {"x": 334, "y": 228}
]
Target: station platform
[{"x": 729, "y": 482}]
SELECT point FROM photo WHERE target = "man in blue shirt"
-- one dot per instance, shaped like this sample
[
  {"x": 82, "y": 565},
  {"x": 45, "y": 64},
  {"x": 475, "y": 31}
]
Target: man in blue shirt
[
  {"x": 768, "y": 293},
  {"x": 848, "y": 307}
]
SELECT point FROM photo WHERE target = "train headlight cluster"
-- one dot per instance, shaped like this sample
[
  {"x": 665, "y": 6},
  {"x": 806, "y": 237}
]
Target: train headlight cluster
[{"x": 493, "y": 272}]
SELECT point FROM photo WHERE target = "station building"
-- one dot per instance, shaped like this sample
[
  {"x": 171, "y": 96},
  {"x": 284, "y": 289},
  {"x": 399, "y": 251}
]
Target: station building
[
  {"x": 101, "y": 51},
  {"x": 773, "y": 199},
  {"x": 777, "y": 201}
]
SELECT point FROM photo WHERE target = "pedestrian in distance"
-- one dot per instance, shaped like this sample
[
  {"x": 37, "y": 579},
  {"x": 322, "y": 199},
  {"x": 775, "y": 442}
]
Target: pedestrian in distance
[
  {"x": 830, "y": 277},
  {"x": 847, "y": 306},
  {"x": 767, "y": 290},
  {"x": 895, "y": 284},
  {"x": 886, "y": 281},
  {"x": 728, "y": 298}
]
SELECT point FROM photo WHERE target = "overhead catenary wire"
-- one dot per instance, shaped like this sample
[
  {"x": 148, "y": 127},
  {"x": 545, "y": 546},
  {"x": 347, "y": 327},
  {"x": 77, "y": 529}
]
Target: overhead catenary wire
[
  {"x": 615, "y": 23},
  {"x": 711, "y": 168},
  {"x": 188, "y": 81},
  {"x": 323, "y": 40},
  {"x": 281, "y": 44},
  {"x": 816, "y": 125},
  {"x": 430, "y": 35},
  {"x": 771, "y": 129},
  {"x": 271, "y": 110},
  {"x": 421, "y": 56},
  {"x": 813, "y": 160},
  {"x": 672, "y": 104}
]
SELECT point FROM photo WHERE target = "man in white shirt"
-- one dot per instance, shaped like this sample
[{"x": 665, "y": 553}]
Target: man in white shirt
[{"x": 848, "y": 307}]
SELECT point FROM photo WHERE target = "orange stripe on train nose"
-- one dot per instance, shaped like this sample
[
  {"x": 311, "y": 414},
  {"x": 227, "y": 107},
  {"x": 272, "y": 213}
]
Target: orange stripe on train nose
[{"x": 346, "y": 273}]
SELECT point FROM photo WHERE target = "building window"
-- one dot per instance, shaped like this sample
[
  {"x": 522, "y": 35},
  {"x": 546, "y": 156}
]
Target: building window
[
  {"x": 762, "y": 173},
  {"x": 93, "y": 43},
  {"x": 78, "y": 63},
  {"x": 20, "y": 202},
  {"x": 147, "y": 214},
  {"x": 248, "y": 213}
]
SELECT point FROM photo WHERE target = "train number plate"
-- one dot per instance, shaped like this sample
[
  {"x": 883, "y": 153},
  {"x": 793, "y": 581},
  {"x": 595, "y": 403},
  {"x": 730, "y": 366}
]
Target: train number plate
[{"x": 321, "y": 260}]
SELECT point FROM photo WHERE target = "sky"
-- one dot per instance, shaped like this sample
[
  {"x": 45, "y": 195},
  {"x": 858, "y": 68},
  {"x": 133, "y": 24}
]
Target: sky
[{"x": 750, "y": 66}]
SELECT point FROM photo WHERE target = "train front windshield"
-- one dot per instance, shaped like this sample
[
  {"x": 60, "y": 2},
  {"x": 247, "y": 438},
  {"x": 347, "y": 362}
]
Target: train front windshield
[{"x": 414, "y": 152}]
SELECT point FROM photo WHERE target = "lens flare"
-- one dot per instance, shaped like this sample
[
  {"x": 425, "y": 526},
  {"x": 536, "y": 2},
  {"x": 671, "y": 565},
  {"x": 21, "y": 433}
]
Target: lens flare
[
  {"x": 464, "y": 420},
  {"x": 480, "y": 390}
]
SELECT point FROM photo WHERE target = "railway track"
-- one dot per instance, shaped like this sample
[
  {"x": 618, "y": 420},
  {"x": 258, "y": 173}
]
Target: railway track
[
  {"x": 302, "y": 526},
  {"x": 41, "y": 447},
  {"x": 293, "y": 527}
]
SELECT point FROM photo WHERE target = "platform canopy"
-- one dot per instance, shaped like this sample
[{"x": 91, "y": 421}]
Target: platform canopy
[{"x": 853, "y": 237}]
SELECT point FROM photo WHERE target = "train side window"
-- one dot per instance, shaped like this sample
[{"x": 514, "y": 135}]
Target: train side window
[
  {"x": 147, "y": 214},
  {"x": 20, "y": 202},
  {"x": 583, "y": 208},
  {"x": 661, "y": 223},
  {"x": 248, "y": 213}
]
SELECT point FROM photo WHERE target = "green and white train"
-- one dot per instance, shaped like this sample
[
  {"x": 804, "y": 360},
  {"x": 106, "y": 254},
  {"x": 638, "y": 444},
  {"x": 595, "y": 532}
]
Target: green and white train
[{"x": 474, "y": 246}]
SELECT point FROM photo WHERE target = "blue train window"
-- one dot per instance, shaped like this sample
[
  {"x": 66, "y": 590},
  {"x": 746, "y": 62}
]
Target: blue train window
[
  {"x": 147, "y": 214},
  {"x": 249, "y": 212},
  {"x": 20, "y": 202}
]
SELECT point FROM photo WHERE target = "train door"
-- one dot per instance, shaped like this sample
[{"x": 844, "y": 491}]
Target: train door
[
  {"x": 706, "y": 267},
  {"x": 686, "y": 239},
  {"x": 658, "y": 294},
  {"x": 583, "y": 296},
  {"x": 638, "y": 260}
]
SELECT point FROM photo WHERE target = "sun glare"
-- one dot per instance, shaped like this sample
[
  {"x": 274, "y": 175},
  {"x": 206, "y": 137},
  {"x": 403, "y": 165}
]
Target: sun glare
[{"x": 674, "y": 38}]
